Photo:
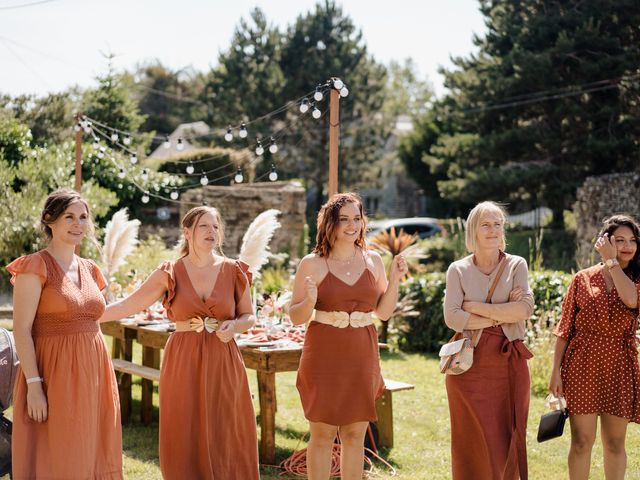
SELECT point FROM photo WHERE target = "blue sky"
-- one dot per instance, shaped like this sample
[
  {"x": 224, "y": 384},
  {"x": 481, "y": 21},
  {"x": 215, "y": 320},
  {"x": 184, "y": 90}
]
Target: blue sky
[{"x": 57, "y": 43}]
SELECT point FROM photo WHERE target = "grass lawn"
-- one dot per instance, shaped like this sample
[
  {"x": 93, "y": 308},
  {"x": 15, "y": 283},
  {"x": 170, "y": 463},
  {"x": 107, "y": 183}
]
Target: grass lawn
[{"x": 421, "y": 422}]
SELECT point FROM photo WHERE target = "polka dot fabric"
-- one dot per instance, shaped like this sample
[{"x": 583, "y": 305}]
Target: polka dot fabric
[{"x": 600, "y": 372}]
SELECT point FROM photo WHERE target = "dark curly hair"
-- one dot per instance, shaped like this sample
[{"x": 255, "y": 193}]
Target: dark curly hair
[{"x": 610, "y": 225}]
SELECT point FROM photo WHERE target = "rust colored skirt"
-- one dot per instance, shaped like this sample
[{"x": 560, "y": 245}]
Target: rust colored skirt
[{"x": 488, "y": 406}]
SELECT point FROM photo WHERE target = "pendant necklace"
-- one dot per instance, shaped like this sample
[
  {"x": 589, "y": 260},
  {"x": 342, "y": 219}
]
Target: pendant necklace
[{"x": 347, "y": 262}]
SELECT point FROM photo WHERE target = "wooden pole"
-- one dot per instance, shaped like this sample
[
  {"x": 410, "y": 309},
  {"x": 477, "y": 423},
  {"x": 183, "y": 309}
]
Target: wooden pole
[
  {"x": 334, "y": 140},
  {"x": 78, "y": 155}
]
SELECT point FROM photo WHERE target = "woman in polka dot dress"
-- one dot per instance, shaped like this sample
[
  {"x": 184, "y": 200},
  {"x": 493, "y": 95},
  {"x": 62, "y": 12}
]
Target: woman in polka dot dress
[{"x": 596, "y": 355}]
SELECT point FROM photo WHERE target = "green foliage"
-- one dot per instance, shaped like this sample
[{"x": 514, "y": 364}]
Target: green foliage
[
  {"x": 537, "y": 148},
  {"x": 274, "y": 280},
  {"x": 426, "y": 331},
  {"x": 555, "y": 249},
  {"x": 149, "y": 253}
]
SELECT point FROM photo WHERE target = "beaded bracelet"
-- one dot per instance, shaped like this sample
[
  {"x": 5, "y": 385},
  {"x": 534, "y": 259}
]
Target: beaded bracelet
[{"x": 34, "y": 380}]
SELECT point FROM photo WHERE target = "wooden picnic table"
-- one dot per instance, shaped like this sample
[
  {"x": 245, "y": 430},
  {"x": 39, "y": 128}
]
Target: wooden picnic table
[{"x": 153, "y": 338}]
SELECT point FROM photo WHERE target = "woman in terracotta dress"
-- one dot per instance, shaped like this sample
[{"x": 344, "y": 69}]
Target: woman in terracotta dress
[
  {"x": 596, "y": 356},
  {"x": 339, "y": 375},
  {"x": 66, "y": 413},
  {"x": 489, "y": 403},
  {"x": 207, "y": 422}
]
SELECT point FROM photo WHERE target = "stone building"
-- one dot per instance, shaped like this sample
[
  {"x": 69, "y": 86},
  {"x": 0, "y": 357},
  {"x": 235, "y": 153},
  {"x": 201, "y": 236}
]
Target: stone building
[{"x": 598, "y": 198}]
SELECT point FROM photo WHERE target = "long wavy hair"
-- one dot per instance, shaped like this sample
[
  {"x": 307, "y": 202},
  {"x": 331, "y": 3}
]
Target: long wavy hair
[
  {"x": 190, "y": 220},
  {"x": 328, "y": 219},
  {"x": 56, "y": 204},
  {"x": 610, "y": 225}
]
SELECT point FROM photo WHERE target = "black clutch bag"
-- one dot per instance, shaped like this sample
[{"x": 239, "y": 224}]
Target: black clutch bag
[{"x": 552, "y": 425}]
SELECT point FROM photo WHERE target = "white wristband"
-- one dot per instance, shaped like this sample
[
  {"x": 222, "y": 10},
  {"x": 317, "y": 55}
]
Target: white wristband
[{"x": 34, "y": 380}]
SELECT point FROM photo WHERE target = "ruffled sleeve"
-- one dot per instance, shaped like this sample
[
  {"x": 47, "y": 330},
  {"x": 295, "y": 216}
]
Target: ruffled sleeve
[
  {"x": 33, "y": 263},
  {"x": 242, "y": 279},
  {"x": 97, "y": 275},
  {"x": 168, "y": 267},
  {"x": 567, "y": 324}
]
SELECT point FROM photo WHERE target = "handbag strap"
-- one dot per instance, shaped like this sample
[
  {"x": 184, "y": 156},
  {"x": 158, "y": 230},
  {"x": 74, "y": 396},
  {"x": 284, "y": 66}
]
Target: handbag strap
[{"x": 495, "y": 280}]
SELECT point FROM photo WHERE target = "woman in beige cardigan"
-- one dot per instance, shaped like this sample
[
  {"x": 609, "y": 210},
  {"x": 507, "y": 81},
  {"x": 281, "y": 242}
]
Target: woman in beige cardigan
[{"x": 489, "y": 403}]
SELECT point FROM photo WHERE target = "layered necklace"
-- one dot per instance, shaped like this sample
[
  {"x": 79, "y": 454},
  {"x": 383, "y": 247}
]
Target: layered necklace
[{"x": 346, "y": 262}]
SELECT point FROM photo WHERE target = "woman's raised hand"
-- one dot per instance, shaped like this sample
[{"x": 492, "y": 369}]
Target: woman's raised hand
[
  {"x": 398, "y": 269},
  {"x": 311, "y": 290},
  {"x": 606, "y": 247}
]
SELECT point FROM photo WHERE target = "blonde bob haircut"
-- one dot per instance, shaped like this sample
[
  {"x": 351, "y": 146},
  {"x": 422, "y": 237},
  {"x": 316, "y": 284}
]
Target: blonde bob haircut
[{"x": 473, "y": 223}]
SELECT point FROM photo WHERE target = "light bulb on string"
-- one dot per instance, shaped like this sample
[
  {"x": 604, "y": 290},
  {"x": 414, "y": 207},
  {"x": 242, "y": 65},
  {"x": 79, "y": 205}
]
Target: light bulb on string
[
  {"x": 337, "y": 83},
  {"x": 228, "y": 136},
  {"x": 316, "y": 113},
  {"x": 87, "y": 128},
  {"x": 259, "y": 148},
  {"x": 77, "y": 127},
  {"x": 180, "y": 145},
  {"x": 204, "y": 180},
  {"x": 243, "y": 131},
  {"x": 145, "y": 197},
  {"x": 273, "y": 174},
  {"x": 134, "y": 158},
  {"x": 238, "y": 178},
  {"x": 121, "y": 173},
  {"x": 83, "y": 122},
  {"x": 304, "y": 106},
  {"x": 120, "y": 186},
  {"x": 190, "y": 168},
  {"x": 317, "y": 96},
  {"x": 167, "y": 142},
  {"x": 145, "y": 174},
  {"x": 114, "y": 137},
  {"x": 344, "y": 91},
  {"x": 127, "y": 140},
  {"x": 100, "y": 154},
  {"x": 96, "y": 144},
  {"x": 273, "y": 148},
  {"x": 174, "y": 195}
]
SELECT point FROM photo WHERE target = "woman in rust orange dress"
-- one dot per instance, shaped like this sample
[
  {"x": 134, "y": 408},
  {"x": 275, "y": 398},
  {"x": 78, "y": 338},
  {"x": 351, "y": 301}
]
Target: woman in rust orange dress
[
  {"x": 489, "y": 403},
  {"x": 207, "y": 422},
  {"x": 596, "y": 356},
  {"x": 66, "y": 414},
  {"x": 339, "y": 376}
]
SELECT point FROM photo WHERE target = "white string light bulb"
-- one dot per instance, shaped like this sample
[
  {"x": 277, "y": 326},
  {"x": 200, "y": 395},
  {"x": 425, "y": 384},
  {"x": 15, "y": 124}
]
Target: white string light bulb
[
  {"x": 180, "y": 145},
  {"x": 228, "y": 136},
  {"x": 344, "y": 91},
  {"x": 243, "y": 131},
  {"x": 87, "y": 128},
  {"x": 204, "y": 180},
  {"x": 145, "y": 174},
  {"x": 127, "y": 140},
  {"x": 174, "y": 195},
  {"x": 316, "y": 113},
  {"x": 304, "y": 106},
  {"x": 190, "y": 168},
  {"x": 238, "y": 178},
  {"x": 145, "y": 197},
  {"x": 167, "y": 142},
  {"x": 121, "y": 173},
  {"x": 77, "y": 127},
  {"x": 134, "y": 158},
  {"x": 273, "y": 175},
  {"x": 114, "y": 137},
  {"x": 338, "y": 84},
  {"x": 259, "y": 148},
  {"x": 318, "y": 95},
  {"x": 273, "y": 148}
]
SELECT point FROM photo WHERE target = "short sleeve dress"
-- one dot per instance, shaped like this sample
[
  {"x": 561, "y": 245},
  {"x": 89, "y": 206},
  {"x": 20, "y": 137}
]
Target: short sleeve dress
[
  {"x": 339, "y": 376},
  {"x": 79, "y": 382},
  {"x": 207, "y": 421},
  {"x": 600, "y": 372}
]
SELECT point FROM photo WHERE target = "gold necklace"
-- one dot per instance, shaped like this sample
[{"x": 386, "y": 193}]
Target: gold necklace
[{"x": 346, "y": 261}]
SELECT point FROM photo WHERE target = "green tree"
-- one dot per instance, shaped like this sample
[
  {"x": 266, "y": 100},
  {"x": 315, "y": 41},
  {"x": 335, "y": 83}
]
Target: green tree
[{"x": 548, "y": 100}]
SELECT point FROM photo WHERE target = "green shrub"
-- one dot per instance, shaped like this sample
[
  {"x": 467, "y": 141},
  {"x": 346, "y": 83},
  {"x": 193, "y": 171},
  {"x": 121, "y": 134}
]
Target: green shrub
[{"x": 144, "y": 260}]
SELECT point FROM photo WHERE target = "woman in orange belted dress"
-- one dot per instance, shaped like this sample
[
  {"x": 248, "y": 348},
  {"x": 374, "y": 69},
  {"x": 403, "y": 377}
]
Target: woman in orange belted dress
[
  {"x": 489, "y": 403},
  {"x": 66, "y": 412},
  {"x": 339, "y": 376},
  {"x": 207, "y": 421},
  {"x": 596, "y": 356}
]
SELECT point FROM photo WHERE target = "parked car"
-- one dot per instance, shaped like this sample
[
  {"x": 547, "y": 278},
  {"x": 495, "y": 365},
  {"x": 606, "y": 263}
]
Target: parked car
[{"x": 425, "y": 227}]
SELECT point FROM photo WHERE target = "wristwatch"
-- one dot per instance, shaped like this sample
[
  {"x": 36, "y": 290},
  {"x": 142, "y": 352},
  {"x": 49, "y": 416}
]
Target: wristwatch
[{"x": 610, "y": 263}]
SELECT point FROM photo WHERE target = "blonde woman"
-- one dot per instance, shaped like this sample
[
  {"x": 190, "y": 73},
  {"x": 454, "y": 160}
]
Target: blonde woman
[
  {"x": 489, "y": 403},
  {"x": 207, "y": 422}
]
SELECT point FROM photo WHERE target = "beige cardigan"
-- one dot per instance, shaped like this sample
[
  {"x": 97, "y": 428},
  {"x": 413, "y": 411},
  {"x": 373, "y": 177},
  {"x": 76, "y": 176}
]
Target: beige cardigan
[{"x": 465, "y": 282}]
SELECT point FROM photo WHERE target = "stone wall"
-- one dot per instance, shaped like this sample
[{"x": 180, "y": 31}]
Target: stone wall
[
  {"x": 240, "y": 204},
  {"x": 598, "y": 198}
]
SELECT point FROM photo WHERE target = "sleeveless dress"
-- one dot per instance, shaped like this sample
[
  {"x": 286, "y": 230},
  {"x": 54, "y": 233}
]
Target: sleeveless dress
[
  {"x": 82, "y": 437},
  {"x": 207, "y": 421},
  {"x": 339, "y": 376},
  {"x": 600, "y": 371}
]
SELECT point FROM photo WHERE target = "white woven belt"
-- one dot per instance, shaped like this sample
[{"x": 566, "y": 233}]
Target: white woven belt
[
  {"x": 199, "y": 324},
  {"x": 344, "y": 319}
]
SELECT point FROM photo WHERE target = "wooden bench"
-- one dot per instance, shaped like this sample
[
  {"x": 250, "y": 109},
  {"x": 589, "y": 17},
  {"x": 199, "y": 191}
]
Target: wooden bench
[
  {"x": 131, "y": 368},
  {"x": 384, "y": 408}
]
